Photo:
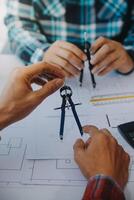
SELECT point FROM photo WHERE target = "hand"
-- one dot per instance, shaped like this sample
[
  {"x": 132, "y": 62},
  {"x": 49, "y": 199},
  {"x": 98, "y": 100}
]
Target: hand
[
  {"x": 66, "y": 56},
  {"x": 109, "y": 55},
  {"x": 101, "y": 154},
  {"x": 18, "y": 98}
]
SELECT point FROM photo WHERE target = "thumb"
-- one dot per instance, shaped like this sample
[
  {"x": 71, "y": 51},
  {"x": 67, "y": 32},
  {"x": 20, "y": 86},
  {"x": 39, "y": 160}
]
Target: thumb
[
  {"x": 79, "y": 148},
  {"x": 48, "y": 89}
]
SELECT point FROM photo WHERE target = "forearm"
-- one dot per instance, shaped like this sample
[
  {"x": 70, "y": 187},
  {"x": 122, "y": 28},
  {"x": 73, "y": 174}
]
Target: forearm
[
  {"x": 24, "y": 43},
  {"x": 25, "y": 37},
  {"x": 103, "y": 188},
  {"x": 5, "y": 116}
]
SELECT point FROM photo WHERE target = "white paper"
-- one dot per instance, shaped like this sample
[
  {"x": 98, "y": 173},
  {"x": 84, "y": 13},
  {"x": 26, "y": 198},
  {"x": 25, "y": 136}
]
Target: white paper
[
  {"x": 116, "y": 119},
  {"x": 15, "y": 170},
  {"x": 47, "y": 144},
  {"x": 59, "y": 172},
  {"x": 53, "y": 172}
]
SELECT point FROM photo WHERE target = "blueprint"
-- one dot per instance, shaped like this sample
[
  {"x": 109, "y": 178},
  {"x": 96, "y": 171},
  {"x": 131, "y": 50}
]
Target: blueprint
[
  {"x": 16, "y": 171},
  {"x": 24, "y": 145},
  {"x": 47, "y": 140}
]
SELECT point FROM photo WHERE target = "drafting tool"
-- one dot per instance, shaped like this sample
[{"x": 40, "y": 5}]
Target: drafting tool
[
  {"x": 81, "y": 77},
  {"x": 90, "y": 66},
  {"x": 86, "y": 49},
  {"x": 66, "y": 94},
  {"x": 77, "y": 104},
  {"x": 112, "y": 98}
]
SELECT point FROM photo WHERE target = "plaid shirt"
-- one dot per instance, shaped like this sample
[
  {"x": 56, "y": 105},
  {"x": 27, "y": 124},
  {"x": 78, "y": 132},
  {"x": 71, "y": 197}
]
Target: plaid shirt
[
  {"x": 103, "y": 188},
  {"x": 33, "y": 25}
]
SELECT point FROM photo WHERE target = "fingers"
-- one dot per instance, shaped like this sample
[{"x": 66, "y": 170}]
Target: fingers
[
  {"x": 66, "y": 74},
  {"x": 48, "y": 89},
  {"x": 94, "y": 131},
  {"x": 114, "y": 65},
  {"x": 38, "y": 80},
  {"x": 88, "y": 142},
  {"x": 127, "y": 160},
  {"x": 79, "y": 145},
  {"x": 91, "y": 130},
  {"x": 98, "y": 44},
  {"x": 42, "y": 68},
  {"x": 67, "y": 56},
  {"x": 106, "y": 70},
  {"x": 101, "y": 53},
  {"x": 73, "y": 48},
  {"x": 79, "y": 148},
  {"x": 71, "y": 58},
  {"x": 124, "y": 173},
  {"x": 105, "y": 63},
  {"x": 68, "y": 67},
  {"x": 106, "y": 54},
  {"x": 106, "y": 131}
]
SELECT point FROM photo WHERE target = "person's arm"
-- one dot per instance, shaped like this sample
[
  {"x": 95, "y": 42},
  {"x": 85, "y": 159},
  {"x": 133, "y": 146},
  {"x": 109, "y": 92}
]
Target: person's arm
[
  {"x": 103, "y": 187},
  {"x": 18, "y": 99},
  {"x": 26, "y": 39},
  {"x": 110, "y": 55},
  {"x": 100, "y": 160},
  {"x": 31, "y": 45}
]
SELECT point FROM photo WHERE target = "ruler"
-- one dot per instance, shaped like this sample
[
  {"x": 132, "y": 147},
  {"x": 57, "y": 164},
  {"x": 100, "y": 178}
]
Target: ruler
[{"x": 112, "y": 98}]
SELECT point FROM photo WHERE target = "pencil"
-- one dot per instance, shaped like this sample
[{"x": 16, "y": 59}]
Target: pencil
[
  {"x": 81, "y": 77},
  {"x": 87, "y": 46}
]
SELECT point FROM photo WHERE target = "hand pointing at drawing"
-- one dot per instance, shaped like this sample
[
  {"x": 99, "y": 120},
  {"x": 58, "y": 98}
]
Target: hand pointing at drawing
[{"x": 102, "y": 155}]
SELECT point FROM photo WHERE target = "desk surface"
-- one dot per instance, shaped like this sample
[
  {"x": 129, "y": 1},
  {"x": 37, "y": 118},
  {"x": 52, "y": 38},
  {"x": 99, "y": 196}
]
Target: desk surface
[{"x": 7, "y": 63}]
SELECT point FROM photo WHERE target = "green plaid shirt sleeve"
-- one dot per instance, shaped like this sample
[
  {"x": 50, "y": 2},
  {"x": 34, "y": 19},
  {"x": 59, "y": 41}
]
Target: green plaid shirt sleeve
[
  {"x": 24, "y": 33},
  {"x": 33, "y": 25}
]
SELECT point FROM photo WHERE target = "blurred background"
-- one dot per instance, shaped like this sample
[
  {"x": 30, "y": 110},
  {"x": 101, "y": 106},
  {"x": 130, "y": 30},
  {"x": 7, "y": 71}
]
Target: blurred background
[{"x": 3, "y": 33}]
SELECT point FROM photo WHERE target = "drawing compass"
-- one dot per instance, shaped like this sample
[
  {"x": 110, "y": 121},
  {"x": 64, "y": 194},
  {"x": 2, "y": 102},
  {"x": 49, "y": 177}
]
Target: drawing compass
[
  {"x": 66, "y": 94},
  {"x": 90, "y": 66}
]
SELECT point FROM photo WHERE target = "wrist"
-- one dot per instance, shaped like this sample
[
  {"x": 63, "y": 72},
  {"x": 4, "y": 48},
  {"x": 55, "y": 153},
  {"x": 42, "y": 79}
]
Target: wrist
[
  {"x": 38, "y": 55},
  {"x": 106, "y": 178},
  {"x": 131, "y": 54},
  {"x": 126, "y": 71},
  {"x": 103, "y": 187},
  {"x": 128, "y": 68},
  {"x": 107, "y": 173}
]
